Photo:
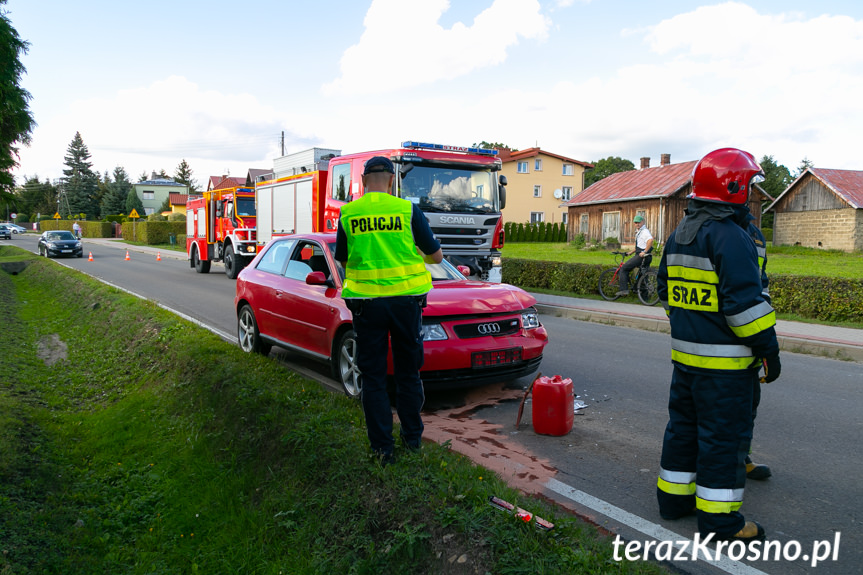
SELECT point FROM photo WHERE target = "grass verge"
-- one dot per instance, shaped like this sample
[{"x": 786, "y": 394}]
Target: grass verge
[{"x": 135, "y": 442}]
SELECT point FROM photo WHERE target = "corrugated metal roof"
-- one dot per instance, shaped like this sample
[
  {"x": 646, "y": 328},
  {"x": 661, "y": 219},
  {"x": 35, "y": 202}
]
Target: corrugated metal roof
[
  {"x": 662, "y": 181},
  {"x": 847, "y": 184}
]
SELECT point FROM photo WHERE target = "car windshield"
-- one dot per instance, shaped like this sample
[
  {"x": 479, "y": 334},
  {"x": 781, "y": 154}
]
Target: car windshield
[
  {"x": 245, "y": 206},
  {"x": 449, "y": 188},
  {"x": 443, "y": 271},
  {"x": 58, "y": 236}
]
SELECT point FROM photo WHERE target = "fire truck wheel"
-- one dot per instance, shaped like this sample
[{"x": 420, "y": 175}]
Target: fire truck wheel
[
  {"x": 232, "y": 263},
  {"x": 345, "y": 369},
  {"x": 201, "y": 266},
  {"x": 248, "y": 334}
]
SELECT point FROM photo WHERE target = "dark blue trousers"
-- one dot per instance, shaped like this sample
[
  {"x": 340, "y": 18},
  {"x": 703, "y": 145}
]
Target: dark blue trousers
[
  {"x": 708, "y": 433},
  {"x": 379, "y": 321}
]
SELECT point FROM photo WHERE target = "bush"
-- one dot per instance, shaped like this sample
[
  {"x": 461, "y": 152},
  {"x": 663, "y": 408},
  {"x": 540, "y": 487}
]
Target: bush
[
  {"x": 157, "y": 218},
  {"x": 768, "y": 234},
  {"x": 177, "y": 217},
  {"x": 154, "y": 233}
]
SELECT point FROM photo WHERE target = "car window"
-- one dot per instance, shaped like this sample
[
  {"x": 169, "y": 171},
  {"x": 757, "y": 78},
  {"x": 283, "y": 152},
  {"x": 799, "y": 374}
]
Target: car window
[
  {"x": 308, "y": 256},
  {"x": 274, "y": 258},
  {"x": 297, "y": 270}
]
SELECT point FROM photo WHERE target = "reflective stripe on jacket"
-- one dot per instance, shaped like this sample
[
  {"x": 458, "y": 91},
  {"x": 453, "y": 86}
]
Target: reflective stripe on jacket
[
  {"x": 711, "y": 290},
  {"x": 382, "y": 257}
]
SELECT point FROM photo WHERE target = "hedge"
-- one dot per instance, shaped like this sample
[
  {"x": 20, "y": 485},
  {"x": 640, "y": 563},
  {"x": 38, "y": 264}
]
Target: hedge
[
  {"x": 541, "y": 232},
  {"x": 815, "y": 298},
  {"x": 154, "y": 233},
  {"x": 88, "y": 229}
]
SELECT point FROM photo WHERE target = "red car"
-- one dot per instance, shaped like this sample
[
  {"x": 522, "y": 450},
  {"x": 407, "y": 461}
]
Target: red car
[{"x": 474, "y": 332}]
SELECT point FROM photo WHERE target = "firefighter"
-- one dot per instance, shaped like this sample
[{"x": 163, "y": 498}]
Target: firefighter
[
  {"x": 385, "y": 287},
  {"x": 722, "y": 330}
]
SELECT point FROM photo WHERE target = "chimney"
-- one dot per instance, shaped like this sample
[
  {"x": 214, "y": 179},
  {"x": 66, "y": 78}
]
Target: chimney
[
  {"x": 665, "y": 159},
  {"x": 645, "y": 163},
  {"x": 153, "y": 175}
]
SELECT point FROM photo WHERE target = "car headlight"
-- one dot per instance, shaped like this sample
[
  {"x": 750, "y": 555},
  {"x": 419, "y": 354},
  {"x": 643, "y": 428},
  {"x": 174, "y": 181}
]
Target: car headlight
[
  {"x": 77, "y": 244},
  {"x": 495, "y": 261},
  {"x": 434, "y": 332},
  {"x": 530, "y": 319}
]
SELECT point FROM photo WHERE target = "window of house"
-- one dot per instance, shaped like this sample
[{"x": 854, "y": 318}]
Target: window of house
[
  {"x": 149, "y": 211},
  {"x": 567, "y": 193},
  {"x": 522, "y": 167},
  {"x": 583, "y": 226},
  {"x": 537, "y": 191},
  {"x": 642, "y": 213},
  {"x": 536, "y": 217},
  {"x": 564, "y": 218},
  {"x": 537, "y": 165},
  {"x": 341, "y": 175},
  {"x": 149, "y": 195},
  {"x": 567, "y": 170}
]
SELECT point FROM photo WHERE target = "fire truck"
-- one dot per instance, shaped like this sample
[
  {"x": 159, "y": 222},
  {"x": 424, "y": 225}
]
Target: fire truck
[
  {"x": 220, "y": 227},
  {"x": 459, "y": 189}
]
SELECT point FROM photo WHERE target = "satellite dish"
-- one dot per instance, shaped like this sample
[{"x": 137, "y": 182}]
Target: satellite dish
[{"x": 558, "y": 194}]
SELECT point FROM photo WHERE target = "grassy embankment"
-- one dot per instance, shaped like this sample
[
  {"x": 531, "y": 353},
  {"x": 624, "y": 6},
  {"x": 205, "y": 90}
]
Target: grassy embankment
[{"x": 135, "y": 442}]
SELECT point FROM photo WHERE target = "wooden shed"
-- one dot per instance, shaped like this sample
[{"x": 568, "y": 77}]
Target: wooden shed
[
  {"x": 606, "y": 209},
  {"x": 822, "y": 208}
]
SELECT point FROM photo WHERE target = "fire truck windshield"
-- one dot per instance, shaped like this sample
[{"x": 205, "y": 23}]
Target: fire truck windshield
[
  {"x": 245, "y": 206},
  {"x": 450, "y": 189}
]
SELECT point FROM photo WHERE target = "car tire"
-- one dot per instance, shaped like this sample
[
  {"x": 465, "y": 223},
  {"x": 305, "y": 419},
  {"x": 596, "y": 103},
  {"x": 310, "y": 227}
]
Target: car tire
[
  {"x": 232, "y": 263},
  {"x": 201, "y": 266},
  {"x": 248, "y": 334},
  {"x": 344, "y": 364}
]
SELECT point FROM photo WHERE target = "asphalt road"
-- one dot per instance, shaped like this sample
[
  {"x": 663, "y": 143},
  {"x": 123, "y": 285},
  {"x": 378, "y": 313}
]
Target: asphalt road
[{"x": 808, "y": 428}]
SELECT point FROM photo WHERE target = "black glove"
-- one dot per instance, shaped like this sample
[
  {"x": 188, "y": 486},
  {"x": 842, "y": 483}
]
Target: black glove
[{"x": 772, "y": 369}]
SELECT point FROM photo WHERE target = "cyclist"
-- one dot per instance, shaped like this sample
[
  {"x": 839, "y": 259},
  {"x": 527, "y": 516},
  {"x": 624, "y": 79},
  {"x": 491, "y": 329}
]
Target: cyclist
[{"x": 643, "y": 247}]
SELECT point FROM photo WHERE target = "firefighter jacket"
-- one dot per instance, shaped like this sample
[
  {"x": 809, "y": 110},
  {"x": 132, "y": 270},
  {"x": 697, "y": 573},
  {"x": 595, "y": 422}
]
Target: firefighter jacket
[
  {"x": 711, "y": 291},
  {"x": 382, "y": 257}
]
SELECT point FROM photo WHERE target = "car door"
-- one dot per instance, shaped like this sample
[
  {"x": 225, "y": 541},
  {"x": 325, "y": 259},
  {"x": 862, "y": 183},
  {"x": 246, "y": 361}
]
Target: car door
[
  {"x": 311, "y": 311},
  {"x": 266, "y": 283}
]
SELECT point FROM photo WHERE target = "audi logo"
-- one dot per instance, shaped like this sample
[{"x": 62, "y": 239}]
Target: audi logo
[{"x": 488, "y": 328}]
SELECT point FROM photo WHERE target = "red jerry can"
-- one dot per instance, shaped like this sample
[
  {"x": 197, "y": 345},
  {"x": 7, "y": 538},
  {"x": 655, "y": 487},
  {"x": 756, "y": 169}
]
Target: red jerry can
[{"x": 553, "y": 405}]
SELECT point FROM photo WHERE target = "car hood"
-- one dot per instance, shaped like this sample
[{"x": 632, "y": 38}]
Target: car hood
[
  {"x": 472, "y": 297},
  {"x": 64, "y": 243}
]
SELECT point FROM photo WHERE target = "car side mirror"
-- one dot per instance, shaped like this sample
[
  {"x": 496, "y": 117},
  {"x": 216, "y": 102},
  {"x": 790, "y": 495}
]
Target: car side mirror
[
  {"x": 465, "y": 271},
  {"x": 317, "y": 279}
]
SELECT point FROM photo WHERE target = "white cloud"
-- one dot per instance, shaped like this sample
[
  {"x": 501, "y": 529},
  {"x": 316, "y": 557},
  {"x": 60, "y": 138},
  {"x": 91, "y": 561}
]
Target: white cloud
[
  {"x": 403, "y": 44},
  {"x": 154, "y": 127}
]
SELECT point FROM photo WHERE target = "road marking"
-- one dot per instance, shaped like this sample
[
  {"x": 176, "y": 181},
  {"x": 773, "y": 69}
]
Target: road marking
[{"x": 642, "y": 525}]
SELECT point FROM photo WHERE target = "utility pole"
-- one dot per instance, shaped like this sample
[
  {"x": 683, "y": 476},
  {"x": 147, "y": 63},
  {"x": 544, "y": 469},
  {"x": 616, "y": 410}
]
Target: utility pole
[{"x": 283, "y": 142}]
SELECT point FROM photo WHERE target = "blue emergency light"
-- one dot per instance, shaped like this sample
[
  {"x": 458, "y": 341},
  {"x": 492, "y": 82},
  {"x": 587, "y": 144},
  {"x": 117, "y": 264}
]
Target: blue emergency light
[{"x": 445, "y": 148}]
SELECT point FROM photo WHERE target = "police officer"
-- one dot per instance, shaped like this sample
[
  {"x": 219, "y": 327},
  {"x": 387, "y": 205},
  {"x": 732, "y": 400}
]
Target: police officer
[
  {"x": 385, "y": 286},
  {"x": 643, "y": 247},
  {"x": 722, "y": 329}
]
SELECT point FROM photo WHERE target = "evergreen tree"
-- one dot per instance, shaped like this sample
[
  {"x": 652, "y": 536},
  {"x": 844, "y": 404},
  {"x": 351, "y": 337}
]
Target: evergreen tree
[
  {"x": 114, "y": 199},
  {"x": 183, "y": 175},
  {"x": 776, "y": 177},
  {"x": 16, "y": 120},
  {"x": 143, "y": 177},
  {"x": 80, "y": 183},
  {"x": 36, "y": 198},
  {"x": 166, "y": 205},
  {"x": 133, "y": 202},
  {"x": 805, "y": 164}
]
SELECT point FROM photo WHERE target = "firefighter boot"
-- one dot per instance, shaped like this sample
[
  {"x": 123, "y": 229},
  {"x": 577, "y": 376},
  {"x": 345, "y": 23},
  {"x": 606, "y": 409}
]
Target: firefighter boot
[
  {"x": 757, "y": 471},
  {"x": 752, "y": 531}
]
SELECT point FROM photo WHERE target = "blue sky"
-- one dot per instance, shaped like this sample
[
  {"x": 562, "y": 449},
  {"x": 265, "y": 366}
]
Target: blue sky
[{"x": 149, "y": 84}]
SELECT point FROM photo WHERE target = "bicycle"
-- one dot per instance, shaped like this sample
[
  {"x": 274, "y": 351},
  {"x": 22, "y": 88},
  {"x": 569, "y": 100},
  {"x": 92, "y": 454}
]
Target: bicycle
[{"x": 645, "y": 281}]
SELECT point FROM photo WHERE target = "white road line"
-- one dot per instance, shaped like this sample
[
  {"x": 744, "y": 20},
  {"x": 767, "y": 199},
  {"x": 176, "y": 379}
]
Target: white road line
[{"x": 641, "y": 525}]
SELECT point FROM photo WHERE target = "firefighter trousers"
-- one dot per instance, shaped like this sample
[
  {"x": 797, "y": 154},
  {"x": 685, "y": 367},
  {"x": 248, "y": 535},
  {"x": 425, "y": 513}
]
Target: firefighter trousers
[{"x": 705, "y": 445}]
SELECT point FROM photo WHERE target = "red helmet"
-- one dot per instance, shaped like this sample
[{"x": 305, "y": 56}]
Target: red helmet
[{"x": 725, "y": 176}]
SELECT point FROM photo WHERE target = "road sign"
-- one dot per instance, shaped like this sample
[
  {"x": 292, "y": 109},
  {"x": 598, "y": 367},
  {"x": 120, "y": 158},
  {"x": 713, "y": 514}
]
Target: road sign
[
  {"x": 134, "y": 214},
  {"x": 57, "y": 215}
]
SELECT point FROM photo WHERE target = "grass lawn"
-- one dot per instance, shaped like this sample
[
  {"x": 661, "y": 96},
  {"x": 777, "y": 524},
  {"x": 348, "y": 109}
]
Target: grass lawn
[
  {"x": 781, "y": 260},
  {"x": 134, "y": 442}
]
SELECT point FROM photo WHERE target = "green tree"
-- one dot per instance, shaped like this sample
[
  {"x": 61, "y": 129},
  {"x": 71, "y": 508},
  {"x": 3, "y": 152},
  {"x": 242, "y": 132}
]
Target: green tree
[
  {"x": 776, "y": 177},
  {"x": 143, "y": 177},
  {"x": 605, "y": 167},
  {"x": 114, "y": 198},
  {"x": 491, "y": 146},
  {"x": 80, "y": 183},
  {"x": 183, "y": 175},
  {"x": 133, "y": 202},
  {"x": 16, "y": 120},
  {"x": 36, "y": 198},
  {"x": 805, "y": 164}
]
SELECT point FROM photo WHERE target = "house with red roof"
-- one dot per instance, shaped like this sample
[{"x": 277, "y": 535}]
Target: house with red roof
[
  {"x": 822, "y": 208},
  {"x": 605, "y": 209},
  {"x": 537, "y": 182}
]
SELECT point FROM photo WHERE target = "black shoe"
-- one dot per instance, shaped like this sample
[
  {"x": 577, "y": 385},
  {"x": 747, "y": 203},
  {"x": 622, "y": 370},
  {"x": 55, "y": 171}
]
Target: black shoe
[
  {"x": 384, "y": 457},
  {"x": 757, "y": 471},
  {"x": 752, "y": 531},
  {"x": 623, "y": 292}
]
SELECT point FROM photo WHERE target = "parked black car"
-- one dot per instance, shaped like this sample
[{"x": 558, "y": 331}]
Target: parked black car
[
  {"x": 60, "y": 243},
  {"x": 5, "y": 232}
]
